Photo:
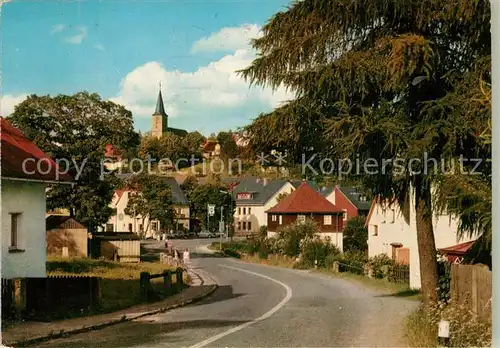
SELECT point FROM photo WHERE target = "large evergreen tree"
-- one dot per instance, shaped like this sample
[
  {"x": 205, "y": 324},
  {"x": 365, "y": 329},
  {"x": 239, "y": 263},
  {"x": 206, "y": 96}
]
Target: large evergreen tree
[{"x": 375, "y": 78}]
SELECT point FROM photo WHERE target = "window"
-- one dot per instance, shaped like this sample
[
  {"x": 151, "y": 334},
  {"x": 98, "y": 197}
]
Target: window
[
  {"x": 345, "y": 214},
  {"x": 249, "y": 210},
  {"x": 249, "y": 225},
  {"x": 141, "y": 228},
  {"x": 301, "y": 218},
  {"x": 110, "y": 228},
  {"x": 154, "y": 226},
  {"x": 15, "y": 219},
  {"x": 327, "y": 220},
  {"x": 281, "y": 220},
  {"x": 244, "y": 225},
  {"x": 239, "y": 225},
  {"x": 375, "y": 230},
  {"x": 239, "y": 211},
  {"x": 393, "y": 216},
  {"x": 244, "y": 211},
  {"x": 130, "y": 227},
  {"x": 273, "y": 217}
]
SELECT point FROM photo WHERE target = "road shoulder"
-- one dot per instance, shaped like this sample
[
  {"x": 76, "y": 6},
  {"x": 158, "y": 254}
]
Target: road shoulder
[{"x": 29, "y": 333}]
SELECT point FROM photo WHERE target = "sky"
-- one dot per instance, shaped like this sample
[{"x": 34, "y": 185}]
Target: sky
[{"x": 122, "y": 50}]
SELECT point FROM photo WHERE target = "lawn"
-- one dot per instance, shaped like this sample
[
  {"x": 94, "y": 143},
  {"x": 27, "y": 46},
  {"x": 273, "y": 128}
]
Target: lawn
[{"x": 120, "y": 287}]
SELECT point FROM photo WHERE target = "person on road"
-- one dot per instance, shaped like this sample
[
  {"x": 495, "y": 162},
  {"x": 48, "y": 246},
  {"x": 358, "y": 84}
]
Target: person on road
[{"x": 186, "y": 257}]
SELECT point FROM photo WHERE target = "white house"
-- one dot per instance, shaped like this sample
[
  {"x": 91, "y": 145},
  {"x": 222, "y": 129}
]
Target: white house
[
  {"x": 122, "y": 222},
  {"x": 389, "y": 233},
  {"x": 25, "y": 172},
  {"x": 253, "y": 197}
]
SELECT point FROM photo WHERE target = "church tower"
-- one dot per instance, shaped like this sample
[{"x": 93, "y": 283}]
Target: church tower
[{"x": 160, "y": 118}]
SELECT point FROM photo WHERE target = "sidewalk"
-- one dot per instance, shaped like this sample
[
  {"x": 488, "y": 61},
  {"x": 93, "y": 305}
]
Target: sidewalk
[{"x": 32, "y": 332}]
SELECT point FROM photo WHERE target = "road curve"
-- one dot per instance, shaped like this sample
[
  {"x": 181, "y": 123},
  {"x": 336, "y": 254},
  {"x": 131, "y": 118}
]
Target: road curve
[{"x": 262, "y": 306}]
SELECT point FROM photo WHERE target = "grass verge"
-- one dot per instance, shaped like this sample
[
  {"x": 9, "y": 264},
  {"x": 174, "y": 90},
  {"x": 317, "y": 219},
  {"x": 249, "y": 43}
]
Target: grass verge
[{"x": 120, "y": 287}]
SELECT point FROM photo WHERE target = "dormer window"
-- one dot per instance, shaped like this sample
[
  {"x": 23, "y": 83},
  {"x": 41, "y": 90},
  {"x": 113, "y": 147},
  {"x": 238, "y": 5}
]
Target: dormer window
[{"x": 244, "y": 195}]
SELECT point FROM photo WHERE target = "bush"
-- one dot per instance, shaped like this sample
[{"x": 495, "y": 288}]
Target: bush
[
  {"x": 381, "y": 266},
  {"x": 466, "y": 328},
  {"x": 353, "y": 262},
  {"x": 317, "y": 249},
  {"x": 444, "y": 281},
  {"x": 290, "y": 237}
]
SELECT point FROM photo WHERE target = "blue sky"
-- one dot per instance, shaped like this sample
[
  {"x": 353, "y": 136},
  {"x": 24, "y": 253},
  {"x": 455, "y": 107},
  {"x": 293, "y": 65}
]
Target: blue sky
[{"x": 122, "y": 49}]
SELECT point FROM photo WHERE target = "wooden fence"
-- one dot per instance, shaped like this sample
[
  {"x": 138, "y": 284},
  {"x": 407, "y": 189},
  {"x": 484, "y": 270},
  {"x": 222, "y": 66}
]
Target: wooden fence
[
  {"x": 147, "y": 291},
  {"x": 60, "y": 296},
  {"x": 471, "y": 285}
]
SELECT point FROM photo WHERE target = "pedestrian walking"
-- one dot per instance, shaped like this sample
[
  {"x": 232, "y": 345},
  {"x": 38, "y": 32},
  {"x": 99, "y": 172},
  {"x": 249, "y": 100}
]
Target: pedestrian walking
[{"x": 186, "y": 258}]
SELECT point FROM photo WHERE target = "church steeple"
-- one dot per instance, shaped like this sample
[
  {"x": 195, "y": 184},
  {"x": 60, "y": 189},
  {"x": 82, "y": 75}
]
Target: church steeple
[
  {"x": 160, "y": 108},
  {"x": 160, "y": 118}
]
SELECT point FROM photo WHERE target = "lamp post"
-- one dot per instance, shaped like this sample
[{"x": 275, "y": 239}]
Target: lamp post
[{"x": 231, "y": 210}]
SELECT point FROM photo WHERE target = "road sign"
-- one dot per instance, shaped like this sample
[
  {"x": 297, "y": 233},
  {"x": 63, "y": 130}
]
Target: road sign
[
  {"x": 221, "y": 227},
  {"x": 211, "y": 209}
]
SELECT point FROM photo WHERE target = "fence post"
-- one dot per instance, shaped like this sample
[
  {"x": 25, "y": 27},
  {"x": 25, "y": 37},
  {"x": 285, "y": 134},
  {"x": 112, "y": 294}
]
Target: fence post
[
  {"x": 336, "y": 266},
  {"x": 474, "y": 289},
  {"x": 167, "y": 280},
  {"x": 144, "y": 282},
  {"x": 179, "y": 279}
]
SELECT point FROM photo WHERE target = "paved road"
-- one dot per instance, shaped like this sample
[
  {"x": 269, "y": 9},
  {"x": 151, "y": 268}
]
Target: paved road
[{"x": 262, "y": 306}]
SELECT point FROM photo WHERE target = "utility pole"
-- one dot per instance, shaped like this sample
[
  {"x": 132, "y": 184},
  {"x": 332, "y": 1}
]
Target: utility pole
[{"x": 222, "y": 221}]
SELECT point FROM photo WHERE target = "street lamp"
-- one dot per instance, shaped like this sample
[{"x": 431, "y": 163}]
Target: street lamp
[{"x": 231, "y": 210}]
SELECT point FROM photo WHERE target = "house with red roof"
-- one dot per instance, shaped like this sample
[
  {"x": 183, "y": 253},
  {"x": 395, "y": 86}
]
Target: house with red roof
[
  {"x": 25, "y": 172},
  {"x": 306, "y": 202}
]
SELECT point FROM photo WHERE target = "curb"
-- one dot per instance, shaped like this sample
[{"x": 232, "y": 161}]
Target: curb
[{"x": 103, "y": 325}]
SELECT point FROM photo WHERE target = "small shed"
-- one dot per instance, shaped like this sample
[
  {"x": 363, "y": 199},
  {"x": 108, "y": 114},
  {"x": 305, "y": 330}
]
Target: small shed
[
  {"x": 118, "y": 246},
  {"x": 65, "y": 237}
]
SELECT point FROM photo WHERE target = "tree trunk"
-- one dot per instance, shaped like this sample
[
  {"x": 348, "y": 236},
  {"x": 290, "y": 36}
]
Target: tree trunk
[{"x": 426, "y": 244}]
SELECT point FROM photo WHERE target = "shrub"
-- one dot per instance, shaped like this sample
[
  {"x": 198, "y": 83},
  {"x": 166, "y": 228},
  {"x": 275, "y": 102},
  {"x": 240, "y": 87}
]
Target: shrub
[
  {"x": 315, "y": 248},
  {"x": 381, "y": 266},
  {"x": 353, "y": 262},
  {"x": 290, "y": 237},
  {"x": 466, "y": 328},
  {"x": 444, "y": 281}
]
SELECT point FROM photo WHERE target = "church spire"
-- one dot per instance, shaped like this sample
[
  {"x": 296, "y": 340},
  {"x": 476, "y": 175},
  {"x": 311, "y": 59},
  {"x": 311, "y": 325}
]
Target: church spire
[{"x": 160, "y": 109}]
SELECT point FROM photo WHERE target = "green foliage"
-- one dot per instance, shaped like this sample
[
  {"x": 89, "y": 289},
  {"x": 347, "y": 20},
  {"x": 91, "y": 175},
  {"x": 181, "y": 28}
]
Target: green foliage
[
  {"x": 356, "y": 234},
  {"x": 379, "y": 80},
  {"x": 289, "y": 237},
  {"x": 381, "y": 265},
  {"x": 444, "y": 281},
  {"x": 200, "y": 196},
  {"x": 77, "y": 128},
  {"x": 263, "y": 231},
  {"x": 317, "y": 249},
  {"x": 151, "y": 198},
  {"x": 466, "y": 328},
  {"x": 229, "y": 149},
  {"x": 353, "y": 262}
]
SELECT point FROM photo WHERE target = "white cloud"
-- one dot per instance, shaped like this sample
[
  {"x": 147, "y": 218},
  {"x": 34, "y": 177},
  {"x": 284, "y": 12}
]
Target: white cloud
[
  {"x": 227, "y": 39},
  {"x": 57, "y": 28},
  {"x": 100, "y": 47},
  {"x": 78, "y": 38},
  {"x": 210, "y": 94},
  {"x": 8, "y": 102}
]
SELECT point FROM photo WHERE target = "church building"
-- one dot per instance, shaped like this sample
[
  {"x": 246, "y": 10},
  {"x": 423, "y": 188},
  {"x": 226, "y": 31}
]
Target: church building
[{"x": 160, "y": 121}]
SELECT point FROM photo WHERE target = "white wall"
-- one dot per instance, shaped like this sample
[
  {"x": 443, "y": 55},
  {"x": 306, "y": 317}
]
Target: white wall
[
  {"x": 445, "y": 234},
  {"x": 27, "y": 198},
  {"x": 258, "y": 216},
  {"x": 122, "y": 225}
]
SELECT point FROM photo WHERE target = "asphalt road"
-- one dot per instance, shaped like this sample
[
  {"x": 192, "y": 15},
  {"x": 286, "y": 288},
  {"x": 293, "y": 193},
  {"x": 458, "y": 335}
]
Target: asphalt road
[{"x": 262, "y": 306}]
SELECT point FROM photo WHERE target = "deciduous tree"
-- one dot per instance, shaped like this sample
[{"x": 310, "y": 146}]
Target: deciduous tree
[{"x": 77, "y": 128}]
